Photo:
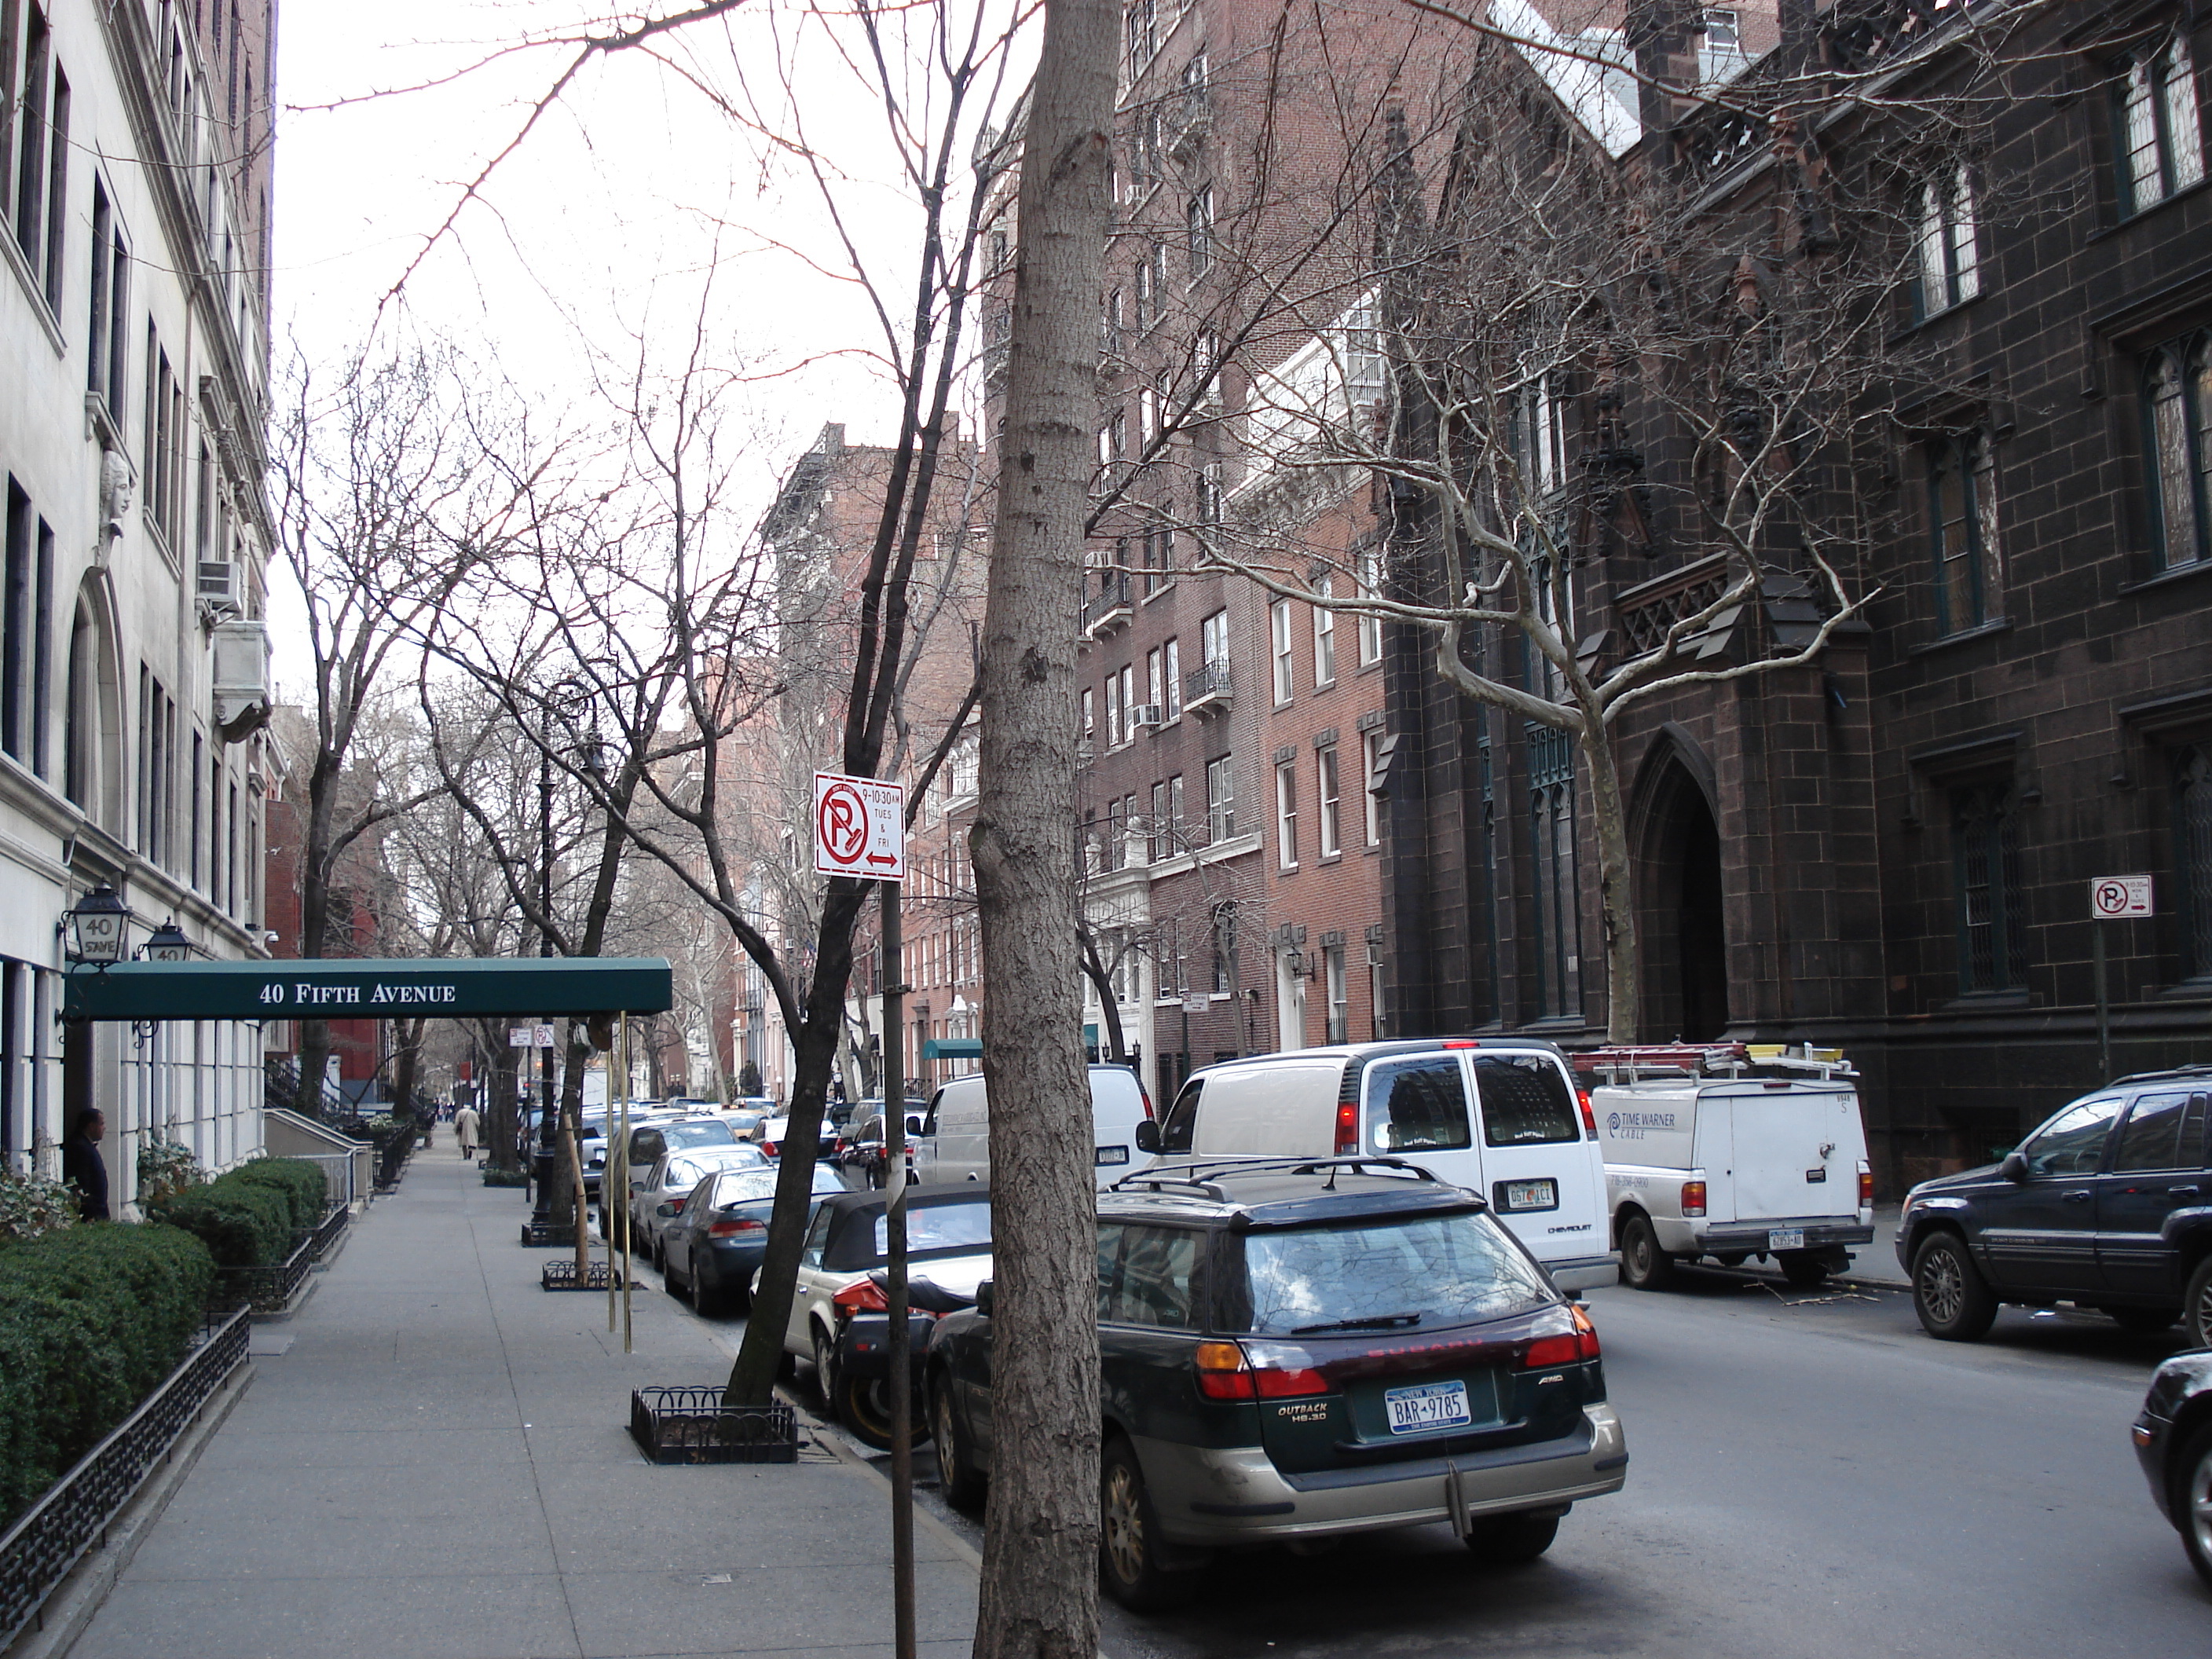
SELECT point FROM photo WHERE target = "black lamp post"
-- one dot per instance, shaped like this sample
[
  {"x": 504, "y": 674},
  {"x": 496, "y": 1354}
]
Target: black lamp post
[
  {"x": 97, "y": 929},
  {"x": 168, "y": 943}
]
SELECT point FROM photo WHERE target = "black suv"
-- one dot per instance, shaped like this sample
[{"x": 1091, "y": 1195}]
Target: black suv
[
  {"x": 2108, "y": 1205},
  {"x": 1295, "y": 1349}
]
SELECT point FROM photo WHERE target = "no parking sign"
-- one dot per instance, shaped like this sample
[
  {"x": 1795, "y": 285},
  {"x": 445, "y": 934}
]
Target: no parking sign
[
  {"x": 860, "y": 827},
  {"x": 2112, "y": 897}
]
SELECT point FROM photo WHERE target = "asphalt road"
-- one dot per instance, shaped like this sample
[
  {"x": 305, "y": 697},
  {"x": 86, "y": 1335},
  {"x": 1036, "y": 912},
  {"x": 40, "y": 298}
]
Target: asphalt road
[{"x": 1809, "y": 1476}]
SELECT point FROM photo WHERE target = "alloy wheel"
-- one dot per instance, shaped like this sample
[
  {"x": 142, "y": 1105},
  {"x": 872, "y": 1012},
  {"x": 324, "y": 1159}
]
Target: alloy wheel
[
  {"x": 1943, "y": 1286},
  {"x": 2199, "y": 1502},
  {"x": 1124, "y": 1525}
]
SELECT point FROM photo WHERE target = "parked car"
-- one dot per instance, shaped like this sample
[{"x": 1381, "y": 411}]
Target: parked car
[
  {"x": 1292, "y": 1351},
  {"x": 2108, "y": 1205},
  {"x": 651, "y": 1142},
  {"x": 2173, "y": 1440},
  {"x": 672, "y": 1179},
  {"x": 955, "y": 1144},
  {"x": 948, "y": 1242},
  {"x": 866, "y": 1141},
  {"x": 772, "y": 1133},
  {"x": 1762, "y": 1157},
  {"x": 1499, "y": 1116},
  {"x": 712, "y": 1239}
]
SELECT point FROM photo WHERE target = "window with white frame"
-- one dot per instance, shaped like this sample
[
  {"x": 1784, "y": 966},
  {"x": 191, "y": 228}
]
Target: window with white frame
[
  {"x": 2160, "y": 136},
  {"x": 1220, "y": 799},
  {"x": 1278, "y": 631},
  {"x": 1113, "y": 711},
  {"x": 1326, "y": 801},
  {"x": 1214, "y": 639},
  {"x": 1125, "y": 683},
  {"x": 1950, "y": 272},
  {"x": 1324, "y": 630},
  {"x": 1209, "y": 500},
  {"x": 2176, "y": 408},
  {"x": 1141, "y": 287},
  {"x": 1140, "y": 28},
  {"x": 1154, "y": 697},
  {"x": 1199, "y": 221},
  {"x": 1370, "y": 761},
  {"x": 1369, "y": 567},
  {"x": 1539, "y": 433},
  {"x": 1323, "y": 394},
  {"x": 1339, "y": 995},
  {"x": 1171, "y": 682},
  {"x": 1286, "y": 815}
]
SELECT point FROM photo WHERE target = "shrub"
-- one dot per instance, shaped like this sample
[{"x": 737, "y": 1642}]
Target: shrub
[
  {"x": 303, "y": 1184},
  {"x": 31, "y": 1205},
  {"x": 91, "y": 1318},
  {"x": 165, "y": 1168},
  {"x": 243, "y": 1223}
]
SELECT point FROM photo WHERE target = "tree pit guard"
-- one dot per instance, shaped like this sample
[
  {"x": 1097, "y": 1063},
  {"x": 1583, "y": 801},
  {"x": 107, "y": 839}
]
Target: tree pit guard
[{"x": 692, "y": 1425}]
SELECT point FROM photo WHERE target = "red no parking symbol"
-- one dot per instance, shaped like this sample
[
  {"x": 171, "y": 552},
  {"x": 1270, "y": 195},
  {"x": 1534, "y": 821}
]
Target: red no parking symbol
[
  {"x": 860, "y": 827},
  {"x": 840, "y": 823}
]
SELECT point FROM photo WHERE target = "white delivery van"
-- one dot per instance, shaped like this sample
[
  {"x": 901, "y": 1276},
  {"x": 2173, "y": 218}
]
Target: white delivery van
[
  {"x": 955, "y": 1144},
  {"x": 1499, "y": 1116},
  {"x": 1733, "y": 1157}
]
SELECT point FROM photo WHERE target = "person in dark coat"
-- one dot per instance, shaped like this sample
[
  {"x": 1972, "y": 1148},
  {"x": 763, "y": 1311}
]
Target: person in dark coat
[{"x": 84, "y": 1169}]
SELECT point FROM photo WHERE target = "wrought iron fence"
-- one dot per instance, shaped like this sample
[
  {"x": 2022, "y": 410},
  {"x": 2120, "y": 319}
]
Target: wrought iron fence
[
  {"x": 271, "y": 1289},
  {"x": 53, "y": 1534}
]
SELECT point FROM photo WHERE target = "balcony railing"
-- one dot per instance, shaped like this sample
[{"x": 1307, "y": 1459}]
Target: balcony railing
[
  {"x": 1110, "y": 607},
  {"x": 1207, "y": 688}
]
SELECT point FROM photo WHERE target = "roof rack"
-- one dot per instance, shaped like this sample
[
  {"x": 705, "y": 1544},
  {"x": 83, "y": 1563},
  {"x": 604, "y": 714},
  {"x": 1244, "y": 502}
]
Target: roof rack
[
  {"x": 1627, "y": 1063},
  {"x": 1191, "y": 1176}
]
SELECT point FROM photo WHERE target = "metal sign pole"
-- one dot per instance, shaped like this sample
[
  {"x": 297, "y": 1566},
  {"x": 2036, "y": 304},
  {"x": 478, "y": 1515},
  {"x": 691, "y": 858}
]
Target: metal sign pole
[
  {"x": 2104, "y": 1004},
  {"x": 901, "y": 1358},
  {"x": 620, "y": 1217}
]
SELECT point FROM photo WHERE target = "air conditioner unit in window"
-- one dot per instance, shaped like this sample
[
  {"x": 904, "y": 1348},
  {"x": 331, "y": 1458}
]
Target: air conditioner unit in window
[
  {"x": 1147, "y": 714},
  {"x": 218, "y": 583}
]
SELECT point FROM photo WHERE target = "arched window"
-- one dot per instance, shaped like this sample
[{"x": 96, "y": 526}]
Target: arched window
[
  {"x": 2178, "y": 440},
  {"x": 92, "y": 763}
]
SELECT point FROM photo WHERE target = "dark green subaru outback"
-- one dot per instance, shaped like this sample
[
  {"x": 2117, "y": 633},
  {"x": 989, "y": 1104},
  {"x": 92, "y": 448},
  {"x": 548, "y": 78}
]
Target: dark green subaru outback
[{"x": 1294, "y": 1350}]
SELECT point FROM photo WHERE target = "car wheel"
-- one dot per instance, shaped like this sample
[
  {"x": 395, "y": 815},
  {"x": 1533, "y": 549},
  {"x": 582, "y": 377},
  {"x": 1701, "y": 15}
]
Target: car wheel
[
  {"x": 1803, "y": 1270},
  {"x": 1948, "y": 1291},
  {"x": 1512, "y": 1540},
  {"x": 2144, "y": 1322},
  {"x": 1130, "y": 1569},
  {"x": 2192, "y": 1500},
  {"x": 2196, "y": 1306},
  {"x": 704, "y": 1303},
  {"x": 957, "y": 1478},
  {"x": 1643, "y": 1265},
  {"x": 670, "y": 1281},
  {"x": 863, "y": 1405}
]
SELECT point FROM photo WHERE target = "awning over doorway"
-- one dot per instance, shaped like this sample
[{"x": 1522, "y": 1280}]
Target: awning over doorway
[
  {"x": 397, "y": 988},
  {"x": 953, "y": 1048}
]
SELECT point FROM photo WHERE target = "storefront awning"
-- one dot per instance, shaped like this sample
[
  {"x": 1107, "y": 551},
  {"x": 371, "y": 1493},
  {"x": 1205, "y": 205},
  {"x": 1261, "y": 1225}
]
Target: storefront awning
[
  {"x": 953, "y": 1048},
  {"x": 399, "y": 988}
]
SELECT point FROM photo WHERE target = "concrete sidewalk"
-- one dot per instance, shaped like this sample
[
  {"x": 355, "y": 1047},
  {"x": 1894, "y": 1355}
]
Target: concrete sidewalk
[{"x": 434, "y": 1460}]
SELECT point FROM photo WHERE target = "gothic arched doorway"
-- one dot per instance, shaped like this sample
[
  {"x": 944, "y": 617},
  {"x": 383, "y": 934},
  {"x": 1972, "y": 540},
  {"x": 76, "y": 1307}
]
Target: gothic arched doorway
[{"x": 1683, "y": 938}]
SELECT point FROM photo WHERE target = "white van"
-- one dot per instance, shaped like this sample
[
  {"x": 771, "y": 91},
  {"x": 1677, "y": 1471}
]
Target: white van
[
  {"x": 1499, "y": 1116},
  {"x": 955, "y": 1144},
  {"x": 1768, "y": 1159}
]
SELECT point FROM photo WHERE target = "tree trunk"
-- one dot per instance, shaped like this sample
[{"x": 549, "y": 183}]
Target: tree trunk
[
  {"x": 315, "y": 926},
  {"x": 1109, "y": 1009},
  {"x": 1624, "y": 984},
  {"x": 1039, "y": 1598}
]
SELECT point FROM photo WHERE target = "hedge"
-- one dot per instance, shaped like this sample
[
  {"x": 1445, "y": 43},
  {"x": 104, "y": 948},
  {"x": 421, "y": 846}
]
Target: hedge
[
  {"x": 91, "y": 1318},
  {"x": 307, "y": 1189},
  {"x": 246, "y": 1217}
]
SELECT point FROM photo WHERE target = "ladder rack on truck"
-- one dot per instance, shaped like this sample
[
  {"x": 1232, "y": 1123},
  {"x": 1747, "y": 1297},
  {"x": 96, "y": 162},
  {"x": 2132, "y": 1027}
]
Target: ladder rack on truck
[{"x": 1627, "y": 1063}]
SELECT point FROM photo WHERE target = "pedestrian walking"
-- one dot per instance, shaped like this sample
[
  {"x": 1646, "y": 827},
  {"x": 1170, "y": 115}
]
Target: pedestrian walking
[
  {"x": 83, "y": 1167},
  {"x": 466, "y": 1123}
]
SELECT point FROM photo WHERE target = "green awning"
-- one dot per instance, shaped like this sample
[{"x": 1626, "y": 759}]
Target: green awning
[
  {"x": 953, "y": 1048},
  {"x": 399, "y": 988}
]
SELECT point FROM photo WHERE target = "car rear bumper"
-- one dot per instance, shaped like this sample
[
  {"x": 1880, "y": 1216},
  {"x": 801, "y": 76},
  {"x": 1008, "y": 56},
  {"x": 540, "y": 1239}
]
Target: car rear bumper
[
  {"x": 1585, "y": 1272},
  {"x": 1728, "y": 1237},
  {"x": 2149, "y": 1437},
  {"x": 1208, "y": 1497}
]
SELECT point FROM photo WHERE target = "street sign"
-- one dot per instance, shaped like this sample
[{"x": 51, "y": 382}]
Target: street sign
[
  {"x": 1194, "y": 1002},
  {"x": 522, "y": 1036},
  {"x": 2112, "y": 897},
  {"x": 860, "y": 827}
]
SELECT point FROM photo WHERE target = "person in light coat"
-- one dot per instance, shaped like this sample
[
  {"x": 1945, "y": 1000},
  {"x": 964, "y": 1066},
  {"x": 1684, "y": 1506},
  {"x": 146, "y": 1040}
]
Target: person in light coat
[{"x": 467, "y": 1123}]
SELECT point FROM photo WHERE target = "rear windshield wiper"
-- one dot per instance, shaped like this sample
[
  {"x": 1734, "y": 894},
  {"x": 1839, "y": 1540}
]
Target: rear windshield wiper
[{"x": 1372, "y": 1322}]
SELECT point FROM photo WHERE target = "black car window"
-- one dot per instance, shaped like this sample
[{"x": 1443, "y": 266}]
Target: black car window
[
  {"x": 1175, "y": 1127},
  {"x": 2072, "y": 1143},
  {"x": 1448, "y": 1270},
  {"x": 2152, "y": 1138},
  {"x": 1150, "y": 1278},
  {"x": 1418, "y": 1105},
  {"x": 1525, "y": 1101},
  {"x": 811, "y": 1255},
  {"x": 647, "y": 1147}
]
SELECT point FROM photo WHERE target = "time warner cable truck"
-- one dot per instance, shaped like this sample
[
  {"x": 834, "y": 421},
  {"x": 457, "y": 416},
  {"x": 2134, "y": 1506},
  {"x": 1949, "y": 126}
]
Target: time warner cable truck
[{"x": 1734, "y": 1153}]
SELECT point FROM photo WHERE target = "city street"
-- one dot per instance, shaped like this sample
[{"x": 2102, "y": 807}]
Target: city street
[{"x": 1811, "y": 1477}]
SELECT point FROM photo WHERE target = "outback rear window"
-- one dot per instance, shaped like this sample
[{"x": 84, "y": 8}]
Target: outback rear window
[
  {"x": 1524, "y": 1101},
  {"x": 1412, "y": 1272},
  {"x": 712, "y": 1133},
  {"x": 941, "y": 1227}
]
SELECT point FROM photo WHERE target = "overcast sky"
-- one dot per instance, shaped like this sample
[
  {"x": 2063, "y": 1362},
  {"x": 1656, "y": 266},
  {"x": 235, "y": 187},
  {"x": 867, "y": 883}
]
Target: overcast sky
[{"x": 597, "y": 231}]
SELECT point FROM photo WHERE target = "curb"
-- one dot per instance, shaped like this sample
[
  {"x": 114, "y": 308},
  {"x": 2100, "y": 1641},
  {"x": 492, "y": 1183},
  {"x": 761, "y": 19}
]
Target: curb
[
  {"x": 826, "y": 1437},
  {"x": 78, "y": 1597}
]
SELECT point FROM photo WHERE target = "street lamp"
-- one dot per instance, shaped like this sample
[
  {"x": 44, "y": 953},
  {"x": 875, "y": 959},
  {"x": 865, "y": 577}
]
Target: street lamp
[
  {"x": 168, "y": 943},
  {"x": 98, "y": 928}
]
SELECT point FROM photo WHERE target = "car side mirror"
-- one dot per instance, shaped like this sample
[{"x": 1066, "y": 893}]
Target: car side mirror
[
  {"x": 2014, "y": 1167},
  {"x": 1148, "y": 1135},
  {"x": 983, "y": 1298}
]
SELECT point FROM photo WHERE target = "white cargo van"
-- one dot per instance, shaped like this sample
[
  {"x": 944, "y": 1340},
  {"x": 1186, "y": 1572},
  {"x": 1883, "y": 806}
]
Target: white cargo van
[
  {"x": 1499, "y": 1116},
  {"x": 955, "y": 1144},
  {"x": 1734, "y": 1157}
]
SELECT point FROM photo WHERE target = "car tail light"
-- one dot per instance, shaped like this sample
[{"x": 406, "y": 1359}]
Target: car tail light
[
  {"x": 1347, "y": 1127},
  {"x": 1693, "y": 1198},
  {"x": 1569, "y": 1348},
  {"x": 1144, "y": 1096},
  {"x": 1460, "y": 1043},
  {"x": 729, "y": 1227},
  {"x": 771, "y": 1147},
  {"x": 866, "y": 1297},
  {"x": 1227, "y": 1372},
  {"x": 1865, "y": 1188},
  {"x": 1589, "y": 1117}
]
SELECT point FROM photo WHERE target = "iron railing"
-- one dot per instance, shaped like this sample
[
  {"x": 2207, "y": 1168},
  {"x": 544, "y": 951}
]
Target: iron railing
[
  {"x": 267, "y": 1289},
  {"x": 50, "y": 1538}
]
